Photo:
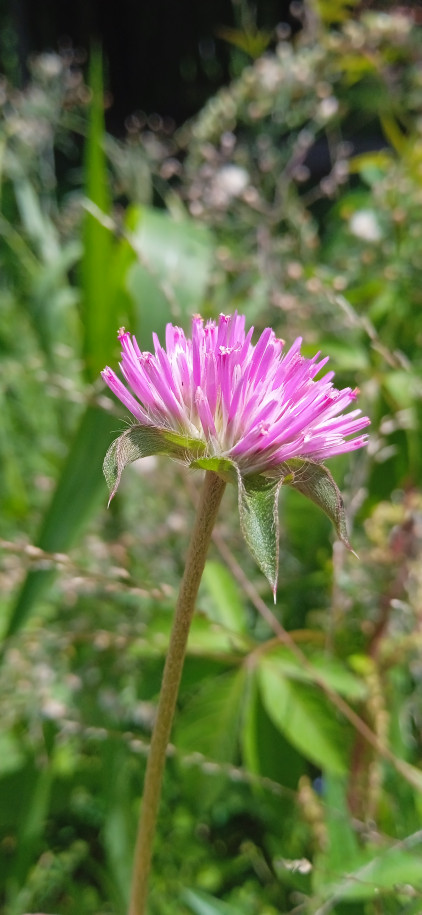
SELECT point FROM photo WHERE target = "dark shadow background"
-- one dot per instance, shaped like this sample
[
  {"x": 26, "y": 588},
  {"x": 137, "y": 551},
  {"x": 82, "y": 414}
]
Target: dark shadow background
[{"x": 161, "y": 55}]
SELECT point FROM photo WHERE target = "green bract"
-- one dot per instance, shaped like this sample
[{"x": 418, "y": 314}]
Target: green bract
[{"x": 257, "y": 492}]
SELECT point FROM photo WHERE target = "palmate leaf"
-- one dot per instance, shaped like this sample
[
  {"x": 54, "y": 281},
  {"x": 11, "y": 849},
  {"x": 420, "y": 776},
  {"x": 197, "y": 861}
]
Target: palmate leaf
[{"x": 304, "y": 716}]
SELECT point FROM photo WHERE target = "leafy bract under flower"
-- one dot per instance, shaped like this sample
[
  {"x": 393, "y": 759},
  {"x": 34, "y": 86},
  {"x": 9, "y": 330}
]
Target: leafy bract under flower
[{"x": 249, "y": 412}]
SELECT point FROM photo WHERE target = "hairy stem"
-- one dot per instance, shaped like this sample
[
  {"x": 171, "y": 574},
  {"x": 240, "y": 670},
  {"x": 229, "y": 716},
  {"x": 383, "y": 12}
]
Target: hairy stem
[{"x": 211, "y": 495}]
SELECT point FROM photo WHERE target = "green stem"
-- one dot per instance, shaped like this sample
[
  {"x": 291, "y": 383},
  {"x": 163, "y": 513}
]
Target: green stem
[{"x": 209, "y": 503}]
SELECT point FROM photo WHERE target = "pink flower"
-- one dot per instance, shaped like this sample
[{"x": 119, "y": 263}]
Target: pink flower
[{"x": 250, "y": 404}]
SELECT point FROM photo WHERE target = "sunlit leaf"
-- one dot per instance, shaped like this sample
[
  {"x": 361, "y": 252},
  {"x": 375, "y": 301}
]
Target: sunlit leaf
[
  {"x": 304, "y": 716},
  {"x": 207, "y": 639},
  {"x": 252, "y": 41},
  {"x": 229, "y": 607},
  {"x": 169, "y": 279},
  {"x": 210, "y": 721},
  {"x": 265, "y": 749},
  {"x": 380, "y": 873},
  {"x": 320, "y": 667}
]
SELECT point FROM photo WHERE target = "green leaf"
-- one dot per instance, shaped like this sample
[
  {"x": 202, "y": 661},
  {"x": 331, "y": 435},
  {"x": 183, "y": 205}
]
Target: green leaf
[
  {"x": 378, "y": 874},
  {"x": 333, "y": 672},
  {"x": 142, "y": 441},
  {"x": 36, "y": 224},
  {"x": 229, "y": 606},
  {"x": 118, "y": 822},
  {"x": 203, "y": 904},
  {"x": 33, "y": 823},
  {"x": 209, "y": 723},
  {"x": 207, "y": 639},
  {"x": 183, "y": 444},
  {"x": 43, "y": 276},
  {"x": 342, "y": 844},
  {"x": 304, "y": 716},
  {"x": 76, "y": 496},
  {"x": 170, "y": 277},
  {"x": 265, "y": 750},
  {"x": 225, "y": 468},
  {"x": 316, "y": 483},
  {"x": 251, "y": 40},
  {"x": 99, "y": 319},
  {"x": 12, "y": 756},
  {"x": 258, "y": 511}
]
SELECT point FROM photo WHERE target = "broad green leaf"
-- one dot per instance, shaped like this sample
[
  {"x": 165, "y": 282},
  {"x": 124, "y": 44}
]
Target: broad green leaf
[
  {"x": 169, "y": 280},
  {"x": 258, "y": 512},
  {"x": 78, "y": 492},
  {"x": 265, "y": 750},
  {"x": 37, "y": 226},
  {"x": 346, "y": 356},
  {"x": 404, "y": 386},
  {"x": 228, "y": 604},
  {"x": 380, "y": 873},
  {"x": 333, "y": 672},
  {"x": 12, "y": 755},
  {"x": 33, "y": 824},
  {"x": 202, "y": 903},
  {"x": 44, "y": 276},
  {"x": 209, "y": 723},
  {"x": 316, "y": 483},
  {"x": 342, "y": 843},
  {"x": 304, "y": 716},
  {"x": 118, "y": 821},
  {"x": 207, "y": 639},
  {"x": 142, "y": 441}
]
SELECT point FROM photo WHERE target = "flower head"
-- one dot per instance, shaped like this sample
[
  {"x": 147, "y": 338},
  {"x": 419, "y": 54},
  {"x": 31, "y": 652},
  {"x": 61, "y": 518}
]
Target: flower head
[
  {"x": 250, "y": 404},
  {"x": 250, "y": 413}
]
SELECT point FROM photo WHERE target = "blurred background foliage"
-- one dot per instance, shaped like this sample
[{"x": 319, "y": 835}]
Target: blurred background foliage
[{"x": 294, "y": 781}]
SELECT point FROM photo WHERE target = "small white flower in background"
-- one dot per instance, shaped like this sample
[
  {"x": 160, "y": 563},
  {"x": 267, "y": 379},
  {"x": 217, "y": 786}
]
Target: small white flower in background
[
  {"x": 229, "y": 181},
  {"x": 270, "y": 73},
  {"x": 48, "y": 65},
  {"x": 364, "y": 224},
  {"x": 328, "y": 107}
]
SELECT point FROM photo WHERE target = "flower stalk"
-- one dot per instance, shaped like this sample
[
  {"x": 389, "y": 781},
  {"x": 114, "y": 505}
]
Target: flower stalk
[{"x": 211, "y": 495}]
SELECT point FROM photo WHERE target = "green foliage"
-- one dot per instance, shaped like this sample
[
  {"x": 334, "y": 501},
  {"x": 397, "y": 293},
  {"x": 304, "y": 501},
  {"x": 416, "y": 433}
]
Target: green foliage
[
  {"x": 292, "y": 782},
  {"x": 258, "y": 513}
]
